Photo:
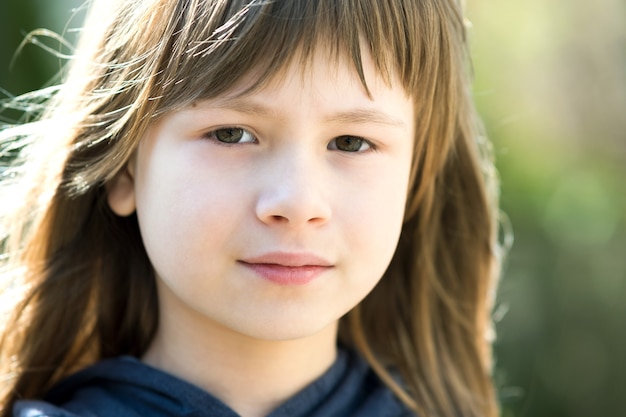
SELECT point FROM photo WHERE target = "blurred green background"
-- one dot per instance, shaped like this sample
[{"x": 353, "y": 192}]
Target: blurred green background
[{"x": 550, "y": 84}]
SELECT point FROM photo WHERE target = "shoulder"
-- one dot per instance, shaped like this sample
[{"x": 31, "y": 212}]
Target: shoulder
[
  {"x": 377, "y": 399},
  {"x": 112, "y": 388},
  {"x": 32, "y": 408},
  {"x": 349, "y": 388}
]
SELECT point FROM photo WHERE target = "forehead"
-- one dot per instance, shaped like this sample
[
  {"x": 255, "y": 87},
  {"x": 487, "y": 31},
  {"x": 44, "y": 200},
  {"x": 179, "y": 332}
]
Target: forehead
[{"x": 310, "y": 73}]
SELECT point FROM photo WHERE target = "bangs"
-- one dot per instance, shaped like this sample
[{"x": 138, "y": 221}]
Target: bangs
[
  {"x": 217, "y": 44},
  {"x": 143, "y": 61}
]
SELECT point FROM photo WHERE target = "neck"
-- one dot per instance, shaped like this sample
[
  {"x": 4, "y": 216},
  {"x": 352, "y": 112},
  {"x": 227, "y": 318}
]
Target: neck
[{"x": 250, "y": 375}]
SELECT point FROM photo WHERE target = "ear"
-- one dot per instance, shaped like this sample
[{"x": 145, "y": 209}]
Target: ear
[{"x": 121, "y": 193}]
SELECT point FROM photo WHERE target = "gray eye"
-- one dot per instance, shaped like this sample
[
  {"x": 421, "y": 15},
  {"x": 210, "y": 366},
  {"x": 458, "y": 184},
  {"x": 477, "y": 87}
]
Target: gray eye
[
  {"x": 349, "y": 144},
  {"x": 231, "y": 135}
]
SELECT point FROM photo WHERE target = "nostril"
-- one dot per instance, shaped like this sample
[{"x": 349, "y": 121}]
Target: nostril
[
  {"x": 316, "y": 220},
  {"x": 292, "y": 202},
  {"x": 278, "y": 218}
]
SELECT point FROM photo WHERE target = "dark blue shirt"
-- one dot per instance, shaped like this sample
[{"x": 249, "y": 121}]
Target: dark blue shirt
[{"x": 126, "y": 387}]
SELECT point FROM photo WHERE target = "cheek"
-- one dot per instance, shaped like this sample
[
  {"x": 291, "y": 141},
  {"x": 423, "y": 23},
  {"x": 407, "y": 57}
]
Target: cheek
[
  {"x": 184, "y": 210},
  {"x": 375, "y": 220}
]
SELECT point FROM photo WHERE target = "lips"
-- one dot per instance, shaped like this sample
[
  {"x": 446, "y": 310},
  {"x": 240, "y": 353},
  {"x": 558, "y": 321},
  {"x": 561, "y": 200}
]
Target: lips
[{"x": 285, "y": 268}]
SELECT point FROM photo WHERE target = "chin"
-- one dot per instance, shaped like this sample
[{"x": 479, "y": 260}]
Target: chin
[{"x": 291, "y": 330}]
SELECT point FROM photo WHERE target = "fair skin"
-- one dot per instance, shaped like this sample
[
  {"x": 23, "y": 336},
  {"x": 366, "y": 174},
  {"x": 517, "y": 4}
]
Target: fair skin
[{"x": 267, "y": 217}]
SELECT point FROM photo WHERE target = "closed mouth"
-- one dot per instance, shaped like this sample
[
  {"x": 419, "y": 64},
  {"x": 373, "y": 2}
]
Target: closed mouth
[{"x": 287, "y": 268}]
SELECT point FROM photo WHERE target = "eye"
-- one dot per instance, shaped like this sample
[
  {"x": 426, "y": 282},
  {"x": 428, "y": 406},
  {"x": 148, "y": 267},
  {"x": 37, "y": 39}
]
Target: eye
[
  {"x": 230, "y": 135},
  {"x": 349, "y": 144}
]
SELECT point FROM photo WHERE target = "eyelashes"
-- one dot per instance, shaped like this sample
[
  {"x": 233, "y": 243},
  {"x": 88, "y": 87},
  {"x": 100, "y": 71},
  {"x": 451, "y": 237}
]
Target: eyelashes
[
  {"x": 230, "y": 135},
  {"x": 233, "y": 135},
  {"x": 349, "y": 144}
]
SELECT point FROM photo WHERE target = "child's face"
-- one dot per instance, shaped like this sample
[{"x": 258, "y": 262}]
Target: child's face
[{"x": 274, "y": 213}]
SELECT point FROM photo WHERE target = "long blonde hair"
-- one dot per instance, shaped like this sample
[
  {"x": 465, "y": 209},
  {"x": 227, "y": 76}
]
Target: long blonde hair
[{"x": 79, "y": 283}]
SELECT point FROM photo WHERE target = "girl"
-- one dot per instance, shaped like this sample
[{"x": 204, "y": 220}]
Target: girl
[{"x": 243, "y": 207}]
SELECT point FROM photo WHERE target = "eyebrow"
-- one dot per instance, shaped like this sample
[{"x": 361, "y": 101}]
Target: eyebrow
[
  {"x": 356, "y": 116},
  {"x": 366, "y": 116}
]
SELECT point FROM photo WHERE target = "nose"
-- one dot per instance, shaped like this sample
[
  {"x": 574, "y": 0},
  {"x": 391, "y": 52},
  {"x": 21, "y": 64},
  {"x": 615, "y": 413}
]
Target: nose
[{"x": 294, "y": 191}]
